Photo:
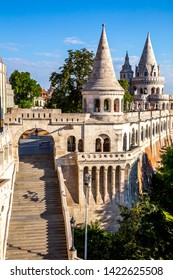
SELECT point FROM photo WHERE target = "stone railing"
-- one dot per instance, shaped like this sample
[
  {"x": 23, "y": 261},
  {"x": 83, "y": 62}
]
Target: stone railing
[
  {"x": 6, "y": 199},
  {"x": 71, "y": 253},
  {"x": 106, "y": 157}
]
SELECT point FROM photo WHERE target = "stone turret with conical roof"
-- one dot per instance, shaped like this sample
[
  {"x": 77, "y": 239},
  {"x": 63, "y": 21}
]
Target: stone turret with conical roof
[
  {"x": 103, "y": 95},
  {"x": 147, "y": 79}
]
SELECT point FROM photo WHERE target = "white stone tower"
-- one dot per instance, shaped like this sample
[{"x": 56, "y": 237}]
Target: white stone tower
[
  {"x": 103, "y": 95},
  {"x": 147, "y": 80}
]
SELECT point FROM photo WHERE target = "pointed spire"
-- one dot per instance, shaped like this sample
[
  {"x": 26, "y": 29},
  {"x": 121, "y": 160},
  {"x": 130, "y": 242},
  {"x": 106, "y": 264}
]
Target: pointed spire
[
  {"x": 103, "y": 75},
  {"x": 147, "y": 56}
]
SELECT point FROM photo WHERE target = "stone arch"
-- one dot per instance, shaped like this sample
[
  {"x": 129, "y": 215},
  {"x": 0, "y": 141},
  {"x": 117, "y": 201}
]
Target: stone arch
[
  {"x": 106, "y": 145},
  {"x": 142, "y": 134},
  {"x": 125, "y": 142},
  {"x": 106, "y": 105},
  {"x": 158, "y": 90},
  {"x": 80, "y": 145},
  {"x": 133, "y": 136},
  {"x": 96, "y": 105},
  {"x": 71, "y": 143},
  {"x": 153, "y": 90},
  {"x": 116, "y": 105},
  {"x": 98, "y": 145}
]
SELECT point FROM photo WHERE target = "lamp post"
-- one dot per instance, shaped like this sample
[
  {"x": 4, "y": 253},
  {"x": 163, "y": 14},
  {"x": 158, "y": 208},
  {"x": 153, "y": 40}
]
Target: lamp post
[
  {"x": 87, "y": 186},
  {"x": 72, "y": 222}
]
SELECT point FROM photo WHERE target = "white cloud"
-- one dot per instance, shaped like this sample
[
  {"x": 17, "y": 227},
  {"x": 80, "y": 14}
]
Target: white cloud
[
  {"x": 10, "y": 47},
  {"x": 73, "y": 41},
  {"x": 48, "y": 54}
]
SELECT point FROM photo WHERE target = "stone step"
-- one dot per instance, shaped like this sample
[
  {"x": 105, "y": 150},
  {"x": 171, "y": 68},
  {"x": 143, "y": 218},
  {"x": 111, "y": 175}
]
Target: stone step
[{"x": 36, "y": 228}]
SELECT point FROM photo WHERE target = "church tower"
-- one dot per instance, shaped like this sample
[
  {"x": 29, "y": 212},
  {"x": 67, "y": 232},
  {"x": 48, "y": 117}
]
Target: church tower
[
  {"x": 126, "y": 73},
  {"x": 147, "y": 80},
  {"x": 103, "y": 95}
]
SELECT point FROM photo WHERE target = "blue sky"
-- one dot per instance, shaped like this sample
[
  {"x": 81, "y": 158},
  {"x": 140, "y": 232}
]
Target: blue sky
[{"x": 35, "y": 35}]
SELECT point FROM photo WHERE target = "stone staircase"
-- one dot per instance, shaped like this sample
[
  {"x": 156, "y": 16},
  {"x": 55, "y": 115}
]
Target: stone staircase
[{"x": 36, "y": 228}]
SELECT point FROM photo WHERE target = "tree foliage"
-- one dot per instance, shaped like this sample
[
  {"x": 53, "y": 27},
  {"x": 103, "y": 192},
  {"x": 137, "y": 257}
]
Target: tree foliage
[
  {"x": 127, "y": 96},
  {"x": 163, "y": 181},
  {"x": 145, "y": 229},
  {"x": 70, "y": 80},
  {"x": 25, "y": 88}
]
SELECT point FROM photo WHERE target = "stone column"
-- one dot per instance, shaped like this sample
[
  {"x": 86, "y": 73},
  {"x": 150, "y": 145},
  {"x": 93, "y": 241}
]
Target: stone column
[{"x": 16, "y": 156}]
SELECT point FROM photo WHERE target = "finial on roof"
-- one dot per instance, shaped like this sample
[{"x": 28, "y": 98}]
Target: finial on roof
[
  {"x": 148, "y": 34},
  {"x": 103, "y": 25}
]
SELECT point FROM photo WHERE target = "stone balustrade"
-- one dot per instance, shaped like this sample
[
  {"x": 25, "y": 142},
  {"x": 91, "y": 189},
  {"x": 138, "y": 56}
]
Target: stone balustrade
[{"x": 106, "y": 157}]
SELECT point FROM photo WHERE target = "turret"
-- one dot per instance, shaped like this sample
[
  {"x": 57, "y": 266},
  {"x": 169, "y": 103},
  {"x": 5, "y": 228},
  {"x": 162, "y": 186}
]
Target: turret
[
  {"x": 147, "y": 79},
  {"x": 103, "y": 95}
]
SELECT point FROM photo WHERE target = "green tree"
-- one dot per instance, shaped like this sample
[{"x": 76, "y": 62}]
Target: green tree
[
  {"x": 25, "y": 88},
  {"x": 163, "y": 181},
  {"x": 70, "y": 80},
  {"x": 144, "y": 232},
  {"x": 127, "y": 96}
]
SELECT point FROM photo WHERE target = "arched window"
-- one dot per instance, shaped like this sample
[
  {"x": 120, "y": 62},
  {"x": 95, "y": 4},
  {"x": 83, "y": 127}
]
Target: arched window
[
  {"x": 116, "y": 105},
  {"x": 163, "y": 106},
  {"x": 153, "y": 129},
  {"x": 106, "y": 105},
  {"x": 71, "y": 144},
  {"x": 153, "y": 90},
  {"x": 97, "y": 105},
  {"x": 145, "y": 90},
  {"x": 158, "y": 90},
  {"x": 147, "y": 131},
  {"x": 106, "y": 145},
  {"x": 98, "y": 145},
  {"x": 125, "y": 142},
  {"x": 141, "y": 91},
  {"x": 133, "y": 136},
  {"x": 80, "y": 145}
]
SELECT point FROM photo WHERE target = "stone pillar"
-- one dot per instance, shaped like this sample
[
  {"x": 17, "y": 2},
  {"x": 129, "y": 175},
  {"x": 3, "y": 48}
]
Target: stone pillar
[
  {"x": 97, "y": 184},
  {"x": 16, "y": 156}
]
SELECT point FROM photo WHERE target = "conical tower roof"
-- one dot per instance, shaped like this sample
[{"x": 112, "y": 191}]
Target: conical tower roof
[
  {"x": 103, "y": 75},
  {"x": 147, "y": 56}
]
